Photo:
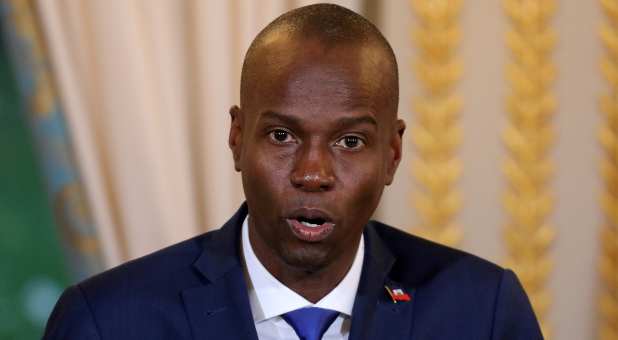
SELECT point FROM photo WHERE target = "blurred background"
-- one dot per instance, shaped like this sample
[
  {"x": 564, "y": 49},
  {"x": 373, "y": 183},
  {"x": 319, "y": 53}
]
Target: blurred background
[{"x": 113, "y": 130}]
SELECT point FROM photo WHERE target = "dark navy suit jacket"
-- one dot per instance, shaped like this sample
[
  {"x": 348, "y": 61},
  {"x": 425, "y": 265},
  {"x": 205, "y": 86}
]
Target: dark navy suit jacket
[{"x": 196, "y": 290}]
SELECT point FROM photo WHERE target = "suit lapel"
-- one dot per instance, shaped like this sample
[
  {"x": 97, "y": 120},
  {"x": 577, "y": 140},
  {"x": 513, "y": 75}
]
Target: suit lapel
[
  {"x": 220, "y": 309},
  {"x": 375, "y": 315}
]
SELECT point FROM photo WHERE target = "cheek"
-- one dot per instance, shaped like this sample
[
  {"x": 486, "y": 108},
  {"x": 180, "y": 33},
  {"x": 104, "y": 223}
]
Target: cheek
[
  {"x": 363, "y": 181},
  {"x": 266, "y": 172}
]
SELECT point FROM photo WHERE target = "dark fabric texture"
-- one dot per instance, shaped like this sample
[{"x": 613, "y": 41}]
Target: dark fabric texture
[{"x": 196, "y": 290}]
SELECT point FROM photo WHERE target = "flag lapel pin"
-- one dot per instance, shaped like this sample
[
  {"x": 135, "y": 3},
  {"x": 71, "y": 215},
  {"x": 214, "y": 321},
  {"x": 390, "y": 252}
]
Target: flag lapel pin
[{"x": 397, "y": 294}]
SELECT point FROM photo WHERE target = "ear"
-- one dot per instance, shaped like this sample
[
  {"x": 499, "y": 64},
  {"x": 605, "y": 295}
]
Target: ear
[
  {"x": 395, "y": 150},
  {"x": 235, "y": 137}
]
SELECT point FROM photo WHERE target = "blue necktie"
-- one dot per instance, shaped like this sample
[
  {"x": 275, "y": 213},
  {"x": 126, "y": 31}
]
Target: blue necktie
[{"x": 310, "y": 323}]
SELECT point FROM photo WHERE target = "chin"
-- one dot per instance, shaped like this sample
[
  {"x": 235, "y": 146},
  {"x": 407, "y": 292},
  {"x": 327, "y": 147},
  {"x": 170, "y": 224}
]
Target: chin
[{"x": 310, "y": 257}]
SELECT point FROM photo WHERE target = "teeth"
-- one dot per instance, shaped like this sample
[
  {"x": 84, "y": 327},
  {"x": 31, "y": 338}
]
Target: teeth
[{"x": 310, "y": 225}]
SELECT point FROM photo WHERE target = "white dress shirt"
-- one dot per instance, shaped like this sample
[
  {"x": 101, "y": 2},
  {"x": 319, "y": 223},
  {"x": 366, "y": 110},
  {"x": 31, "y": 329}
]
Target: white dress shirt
[{"x": 270, "y": 298}]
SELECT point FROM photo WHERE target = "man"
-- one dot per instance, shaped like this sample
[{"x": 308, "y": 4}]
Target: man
[{"x": 316, "y": 138}]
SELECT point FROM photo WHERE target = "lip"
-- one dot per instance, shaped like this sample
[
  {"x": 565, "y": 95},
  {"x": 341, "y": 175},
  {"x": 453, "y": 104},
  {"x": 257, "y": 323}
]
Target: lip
[
  {"x": 310, "y": 234},
  {"x": 313, "y": 213}
]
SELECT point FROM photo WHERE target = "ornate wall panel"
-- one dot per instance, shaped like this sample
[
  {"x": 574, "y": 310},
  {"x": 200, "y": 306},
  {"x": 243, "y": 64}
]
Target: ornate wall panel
[
  {"x": 528, "y": 138},
  {"x": 608, "y": 304},
  {"x": 436, "y": 133}
]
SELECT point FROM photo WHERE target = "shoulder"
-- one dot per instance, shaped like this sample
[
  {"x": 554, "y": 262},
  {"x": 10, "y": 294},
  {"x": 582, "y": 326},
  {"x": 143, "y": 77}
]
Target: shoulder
[
  {"x": 152, "y": 282},
  {"x": 124, "y": 299},
  {"x": 419, "y": 261},
  {"x": 166, "y": 268},
  {"x": 480, "y": 299}
]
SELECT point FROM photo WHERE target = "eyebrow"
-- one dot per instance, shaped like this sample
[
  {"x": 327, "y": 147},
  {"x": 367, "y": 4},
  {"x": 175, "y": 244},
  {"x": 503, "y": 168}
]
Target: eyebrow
[
  {"x": 290, "y": 120},
  {"x": 342, "y": 122},
  {"x": 352, "y": 121}
]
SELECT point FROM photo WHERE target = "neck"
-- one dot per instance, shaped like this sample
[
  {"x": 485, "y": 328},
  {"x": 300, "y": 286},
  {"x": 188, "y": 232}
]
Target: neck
[{"x": 312, "y": 283}]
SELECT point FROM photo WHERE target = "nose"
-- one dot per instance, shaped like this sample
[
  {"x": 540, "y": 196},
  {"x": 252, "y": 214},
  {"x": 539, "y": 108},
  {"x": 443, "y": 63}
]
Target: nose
[{"x": 313, "y": 171}]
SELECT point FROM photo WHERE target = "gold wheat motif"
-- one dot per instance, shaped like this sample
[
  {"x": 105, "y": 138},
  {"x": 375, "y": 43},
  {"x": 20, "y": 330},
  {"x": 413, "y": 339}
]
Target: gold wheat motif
[
  {"x": 608, "y": 135},
  {"x": 436, "y": 134},
  {"x": 528, "y": 139}
]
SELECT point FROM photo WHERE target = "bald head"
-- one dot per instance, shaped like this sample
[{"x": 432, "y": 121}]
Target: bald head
[{"x": 333, "y": 28}]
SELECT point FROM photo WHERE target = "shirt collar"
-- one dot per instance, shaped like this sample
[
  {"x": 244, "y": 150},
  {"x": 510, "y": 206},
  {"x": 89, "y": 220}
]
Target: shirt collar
[{"x": 270, "y": 298}]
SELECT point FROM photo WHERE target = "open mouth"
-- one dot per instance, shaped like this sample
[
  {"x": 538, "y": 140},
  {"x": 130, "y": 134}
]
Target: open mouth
[
  {"x": 311, "y": 226},
  {"x": 311, "y": 222}
]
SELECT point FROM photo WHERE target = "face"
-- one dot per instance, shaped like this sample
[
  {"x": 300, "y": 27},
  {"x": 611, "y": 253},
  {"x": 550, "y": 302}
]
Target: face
[{"x": 316, "y": 142}]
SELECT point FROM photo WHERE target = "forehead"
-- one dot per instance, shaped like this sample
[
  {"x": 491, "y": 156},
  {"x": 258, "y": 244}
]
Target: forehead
[{"x": 308, "y": 72}]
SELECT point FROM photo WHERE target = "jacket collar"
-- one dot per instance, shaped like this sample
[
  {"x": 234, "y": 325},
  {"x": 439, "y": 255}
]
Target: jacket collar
[
  {"x": 221, "y": 251},
  {"x": 375, "y": 315},
  {"x": 220, "y": 308}
]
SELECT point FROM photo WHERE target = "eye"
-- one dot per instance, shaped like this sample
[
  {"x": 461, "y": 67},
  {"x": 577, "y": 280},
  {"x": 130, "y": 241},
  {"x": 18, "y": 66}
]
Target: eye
[
  {"x": 281, "y": 136},
  {"x": 351, "y": 142}
]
